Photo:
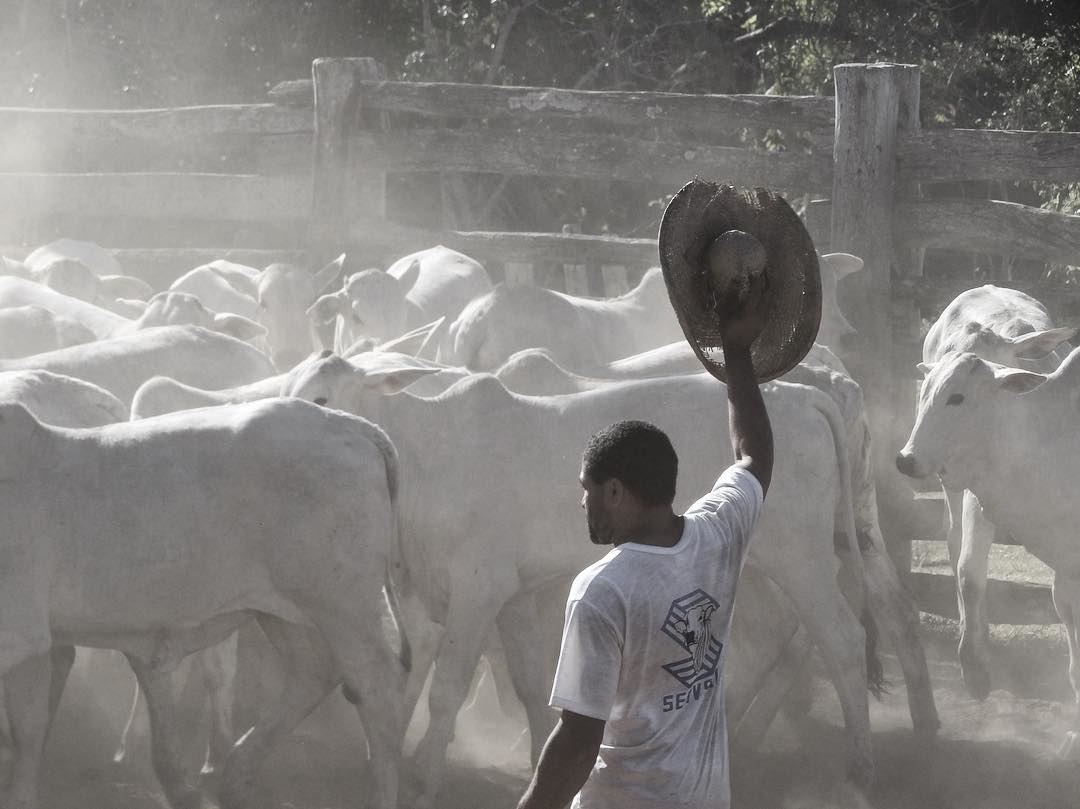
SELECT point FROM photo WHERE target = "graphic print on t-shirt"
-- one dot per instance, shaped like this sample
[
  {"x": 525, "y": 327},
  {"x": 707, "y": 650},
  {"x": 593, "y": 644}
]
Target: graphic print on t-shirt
[{"x": 689, "y": 624}]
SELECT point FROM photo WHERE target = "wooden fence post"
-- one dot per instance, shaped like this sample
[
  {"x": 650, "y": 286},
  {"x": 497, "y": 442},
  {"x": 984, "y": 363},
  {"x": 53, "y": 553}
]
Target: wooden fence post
[
  {"x": 868, "y": 117},
  {"x": 344, "y": 190}
]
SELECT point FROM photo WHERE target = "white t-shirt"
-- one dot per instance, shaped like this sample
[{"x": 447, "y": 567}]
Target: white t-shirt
[{"x": 643, "y": 649}]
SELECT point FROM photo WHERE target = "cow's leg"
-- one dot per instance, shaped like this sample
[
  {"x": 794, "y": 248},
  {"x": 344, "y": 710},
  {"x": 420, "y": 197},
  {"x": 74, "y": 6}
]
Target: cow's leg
[
  {"x": 62, "y": 659},
  {"x": 898, "y": 619},
  {"x": 526, "y": 656},
  {"x": 219, "y": 675},
  {"x": 374, "y": 681},
  {"x": 424, "y": 635},
  {"x": 166, "y": 754},
  {"x": 954, "y": 520},
  {"x": 473, "y": 607},
  {"x": 308, "y": 677},
  {"x": 26, "y": 694},
  {"x": 1067, "y": 604},
  {"x": 971, "y": 572},
  {"x": 125, "y": 734},
  {"x": 841, "y": 639}
]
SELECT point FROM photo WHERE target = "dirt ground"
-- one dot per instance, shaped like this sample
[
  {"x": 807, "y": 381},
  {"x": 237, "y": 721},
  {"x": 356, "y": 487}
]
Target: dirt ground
[{"x": 997, "y": 753}]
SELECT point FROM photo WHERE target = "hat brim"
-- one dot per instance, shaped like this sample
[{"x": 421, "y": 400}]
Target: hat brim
[{"x": 699, "y": 213}]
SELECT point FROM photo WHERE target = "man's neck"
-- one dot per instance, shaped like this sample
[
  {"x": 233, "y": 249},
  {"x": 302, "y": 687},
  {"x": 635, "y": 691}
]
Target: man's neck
[{"x": 659, "y": 527}]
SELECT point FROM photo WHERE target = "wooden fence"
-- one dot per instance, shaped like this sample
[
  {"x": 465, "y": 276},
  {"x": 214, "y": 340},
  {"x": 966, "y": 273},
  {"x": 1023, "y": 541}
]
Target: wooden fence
[{"x": 309, "y": 170}]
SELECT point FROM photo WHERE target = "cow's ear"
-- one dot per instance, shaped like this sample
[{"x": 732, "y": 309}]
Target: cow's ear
[
  {"x": 925, "y": 368},
  {"x": 842, "y": 263},
  {"x": 413, "y": 342},
  {"x": 396, "y": 380},
  {"x": 1038, "y": 344},
  {"x": 1017, "y": 380},
  {"x": 326, "y": 277},
  {"x": 408, "y": 278},
  {"x": 241, "y": 328},
  {"x": 327, "y": 308}
]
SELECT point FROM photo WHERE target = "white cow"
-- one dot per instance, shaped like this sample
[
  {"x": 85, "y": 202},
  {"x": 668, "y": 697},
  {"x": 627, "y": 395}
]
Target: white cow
[
  {"x": 1008, "y": 327},
  {"x": 71, "y": 276},
  {"x": 61, "y": 401},
  {"x": 26, "y": 330},
  {"x": 416, "y": 289},
  {"x": 22, "y": 292},
  {"x": 222, "y": 286},
  {"x": 94, "y": 257},
  {"x": 1016, "y": 453},
  {"x": 189, "y": 354},
  {"x": 485, "y": 472},
  {"x": 284, "y": 292},
  {"x": 161, "y": 537},
  {"x": 172, "y": 308},
  {"x": 162, "y": 394},
  {"x": 582, "y": 334}
]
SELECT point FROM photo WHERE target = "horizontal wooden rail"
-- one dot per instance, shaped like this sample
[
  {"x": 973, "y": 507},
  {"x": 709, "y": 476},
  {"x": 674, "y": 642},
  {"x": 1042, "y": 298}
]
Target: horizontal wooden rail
[
  {"x": 524, "y": 248},
  {"x": 594, "y": 157},
  {"x": 1007, "y": 602},
  {"x": 623, "y": 108},
  {"x": 990, "y": 226},
  {"x": 954, "y": 155},
  {"x": 241, "y": 198},
  {"x": 88, "y": 140}
]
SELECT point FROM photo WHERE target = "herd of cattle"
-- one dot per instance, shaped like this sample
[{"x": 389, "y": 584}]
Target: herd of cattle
[{"x": 375, "y": 476}]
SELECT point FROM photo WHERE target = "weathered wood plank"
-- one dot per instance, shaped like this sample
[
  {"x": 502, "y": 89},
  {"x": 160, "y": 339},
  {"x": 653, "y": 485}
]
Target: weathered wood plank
[
  {"x": 626, "y": 108},
  {"x": 991, "y": 226},
  {"x": 527, "y": 248},
  {"x": 938, "y": 156},
  {"x": 1007, "y": 602},
  {"x": 243, "y": 198},
  {"x": 59, "y": 139},
  {"x": 597, "y": 157}
]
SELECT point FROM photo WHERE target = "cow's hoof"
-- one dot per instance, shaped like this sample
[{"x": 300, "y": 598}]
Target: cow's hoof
[{"x": 1070, "y": 748}]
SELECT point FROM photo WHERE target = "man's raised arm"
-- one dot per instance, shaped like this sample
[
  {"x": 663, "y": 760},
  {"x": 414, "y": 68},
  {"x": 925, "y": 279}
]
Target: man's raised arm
[{"x": 748, "y": 421}]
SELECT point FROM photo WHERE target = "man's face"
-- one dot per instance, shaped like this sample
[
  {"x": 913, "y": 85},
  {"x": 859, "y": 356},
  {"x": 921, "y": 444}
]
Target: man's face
[{"x": 596, "y": 516}]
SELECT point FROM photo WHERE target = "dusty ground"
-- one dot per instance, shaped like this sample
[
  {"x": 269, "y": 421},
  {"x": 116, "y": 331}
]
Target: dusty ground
[{"x": 998, "y": 753}]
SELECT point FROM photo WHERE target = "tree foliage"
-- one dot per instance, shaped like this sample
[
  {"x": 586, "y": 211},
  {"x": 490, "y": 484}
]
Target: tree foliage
[{"x": 986, "y": 63}]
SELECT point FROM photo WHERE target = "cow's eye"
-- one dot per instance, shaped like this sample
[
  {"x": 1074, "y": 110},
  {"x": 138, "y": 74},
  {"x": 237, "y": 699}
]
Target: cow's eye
[
  {"x": 320, "y": 400},
  {"x": 955, "y": 399}
]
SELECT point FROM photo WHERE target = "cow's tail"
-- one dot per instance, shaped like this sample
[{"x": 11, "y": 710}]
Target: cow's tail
[
  {"x": 390, "y": 459},
  {"x": 875, "y": 675}
]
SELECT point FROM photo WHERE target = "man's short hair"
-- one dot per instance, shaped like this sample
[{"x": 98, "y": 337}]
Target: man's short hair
[{"x": 637, "y": 453}]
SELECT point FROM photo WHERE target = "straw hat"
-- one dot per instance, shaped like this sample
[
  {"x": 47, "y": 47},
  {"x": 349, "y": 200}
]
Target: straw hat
[{"x": 707, "y": 268}]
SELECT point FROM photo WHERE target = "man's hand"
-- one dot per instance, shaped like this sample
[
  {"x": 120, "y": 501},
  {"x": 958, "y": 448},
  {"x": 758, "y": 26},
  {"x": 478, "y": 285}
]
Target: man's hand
[
  {"x": 566, "y": 761},
  {"x": 744, "y": 319}
]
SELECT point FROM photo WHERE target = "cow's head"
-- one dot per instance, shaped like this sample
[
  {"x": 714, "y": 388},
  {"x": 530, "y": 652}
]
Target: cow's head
[
  {"x": 284, "y": 292},
  {"x": 958, "y": 415},
  {"x": 171, "y": 308},
  {"x": 69, "y": 276},
  {"x": 355, "y": 385},
  {"x": 371, "y": 304},
  {"x": 978, "y": 339}
]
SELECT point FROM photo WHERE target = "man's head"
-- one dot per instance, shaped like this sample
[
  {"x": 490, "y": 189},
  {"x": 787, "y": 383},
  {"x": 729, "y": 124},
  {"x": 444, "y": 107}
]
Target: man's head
[{"x": 626, "y": 468}]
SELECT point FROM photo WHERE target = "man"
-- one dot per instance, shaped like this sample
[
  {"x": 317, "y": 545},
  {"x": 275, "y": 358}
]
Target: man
[{"x": 626, "y": 739}]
